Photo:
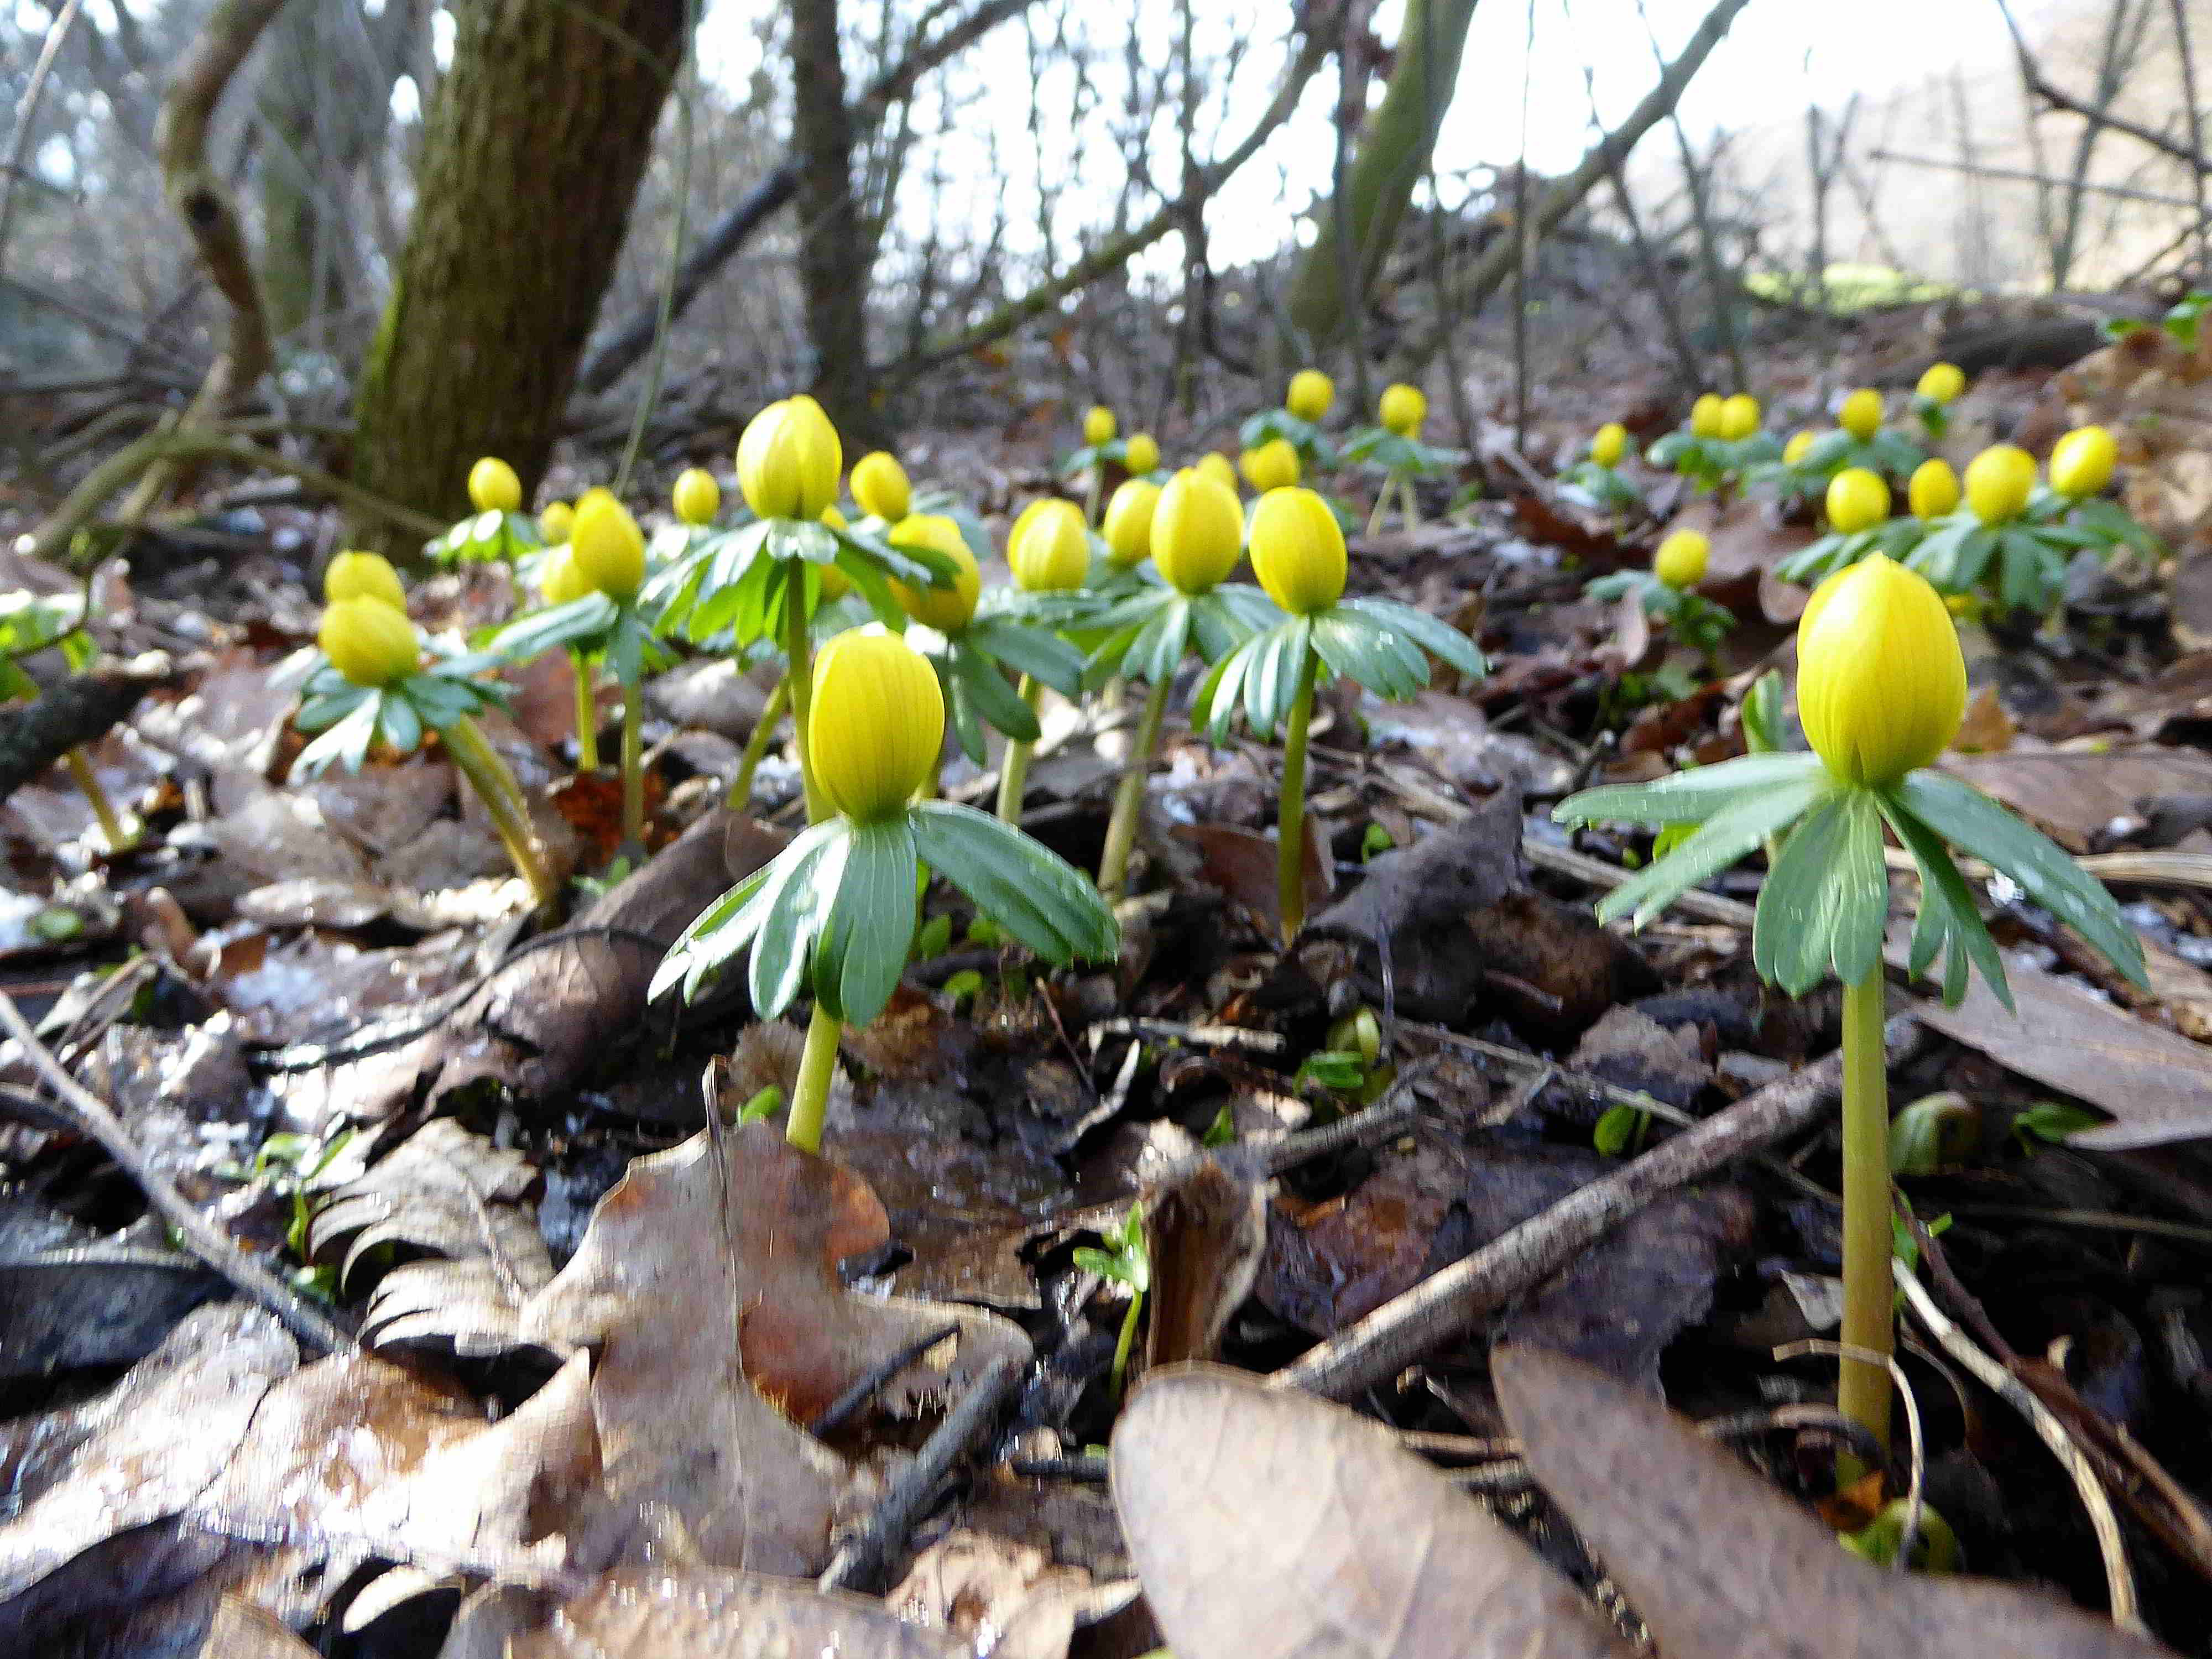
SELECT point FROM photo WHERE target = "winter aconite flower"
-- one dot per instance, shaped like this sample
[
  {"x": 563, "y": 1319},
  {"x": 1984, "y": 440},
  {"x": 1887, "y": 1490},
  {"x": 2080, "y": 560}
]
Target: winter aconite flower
[
  {"x": 1098, "y": 425},
  {"x": 879, "y": 485},
  {"x": 1143, "y": 457},
  {"x": 554, "y": 522},
  {"x": 1049, "y": 550},
  {"x": 1999, "y": 481},
  {"x": 1297, "y": 550},
  {"x": 1941, "y": 382},
  {"x": 1794, "y": 450},
  {"x": 1861, "y": 413},
  {"x": 368, "y": 642},
  {"x": 1934, "y": 491},
  {"x": 2081, "y": 464},
  {"x": 790, "y": 461},
  {"x": 696, "y": 497},
  {"x": 1705, "y": 416},
  {"x": 1272, "y": 465},
  {"x": 1402, "y": 410},
  {"x": 606, "y": 545},
  {"x": 493, "y": 487},
  {"x": 1129, "y": 521},
  {"x": 1857, "y": 500},
  {"x": 879, "y": 722},
  {"x": 1680, "y": 560},
  {"x": 1882, "y": 683},
  {"x": 1198, "y": 532},
  {"x": 559, "y": 580},
  {"x": 1310, "y": 394},
  {"x": 364, "y": 576},
  {"x": 1610, "y": 444},
  {"x": 947, "y": 610},
  {"x": 1220, "y": 468},
  {"x": 1739, "y": 417}
]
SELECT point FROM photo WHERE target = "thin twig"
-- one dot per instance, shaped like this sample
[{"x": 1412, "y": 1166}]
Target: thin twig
[{"x": 832, "y": 1415}]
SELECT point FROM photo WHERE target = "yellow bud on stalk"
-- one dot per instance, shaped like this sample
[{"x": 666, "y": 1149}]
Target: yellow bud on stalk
[
  {"x": 1198, "y": 532},
  {"x": 1129, "y": 520},
  {"x": 1098, "y": 425},
  {"x": 1610, "y": 444},
  {"x": 560, "y": 580},
  {"x": 363, "y": 576},
  {"x": 1403, "y": 409},
  {"x": 1217, "y": 467},
  {"x": 1739, "y": 417},
  {"x": 1999, "y": 481},
  {"x": 836, "y": 584},
  {"x": 1297, "y": 550},
  {"x": 1144, "y": 454},
  {"x": 1861, "y": 415},
  {"x": 1941, "y": 382},
  {"x": 2081, "y": 464},
  {"x": 697, "y": 498},
  {"x": 606, "y": 544},
  {"x": 1272, "y": 465},
  {"x": 1705, "y": 416},
  {"x": 1310, "y": 394},
  {"x": 1857, "y": 500},
  {"x": 1794, "y": 450},
  {"x": 1882, "y": 683},
  {"x": 1680, "y": 560},
  {"x": 554, "y": 523},
  {"x": 1934, "y": 491},
  {"x": 493, "y": 487},
  {"x": 1050, "y": 549},
  {"x": 877, "y": 723},
  {"x": 879, "y": 485},
  {"x": 947, "y": 610},
  {"x": 789, "y": 461},
  {"x": 368, "y": 642}
]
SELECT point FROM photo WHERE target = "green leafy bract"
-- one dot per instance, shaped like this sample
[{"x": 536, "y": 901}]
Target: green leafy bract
[
  {"x": 486, "y": 538},
  {"x": 1826, "y": 900},
  {"x": 353, "y": 719},
  {"x": 1035, "y": 894}
]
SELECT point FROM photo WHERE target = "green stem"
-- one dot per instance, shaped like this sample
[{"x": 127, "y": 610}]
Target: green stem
[
  {"x": 588, "y": 713},
  {"x": 1014, "y": 769},
  {"x": 1862, "y": 1394},
  {"x": 633, "y": 766},
  {"x": 817, "y": 1065},
  {"x": 1382, "y": 504},
  {"x": 95, "y": 796},
  {"x": 798, "y": 675},
  {"x": 1409, "y": 501},
  {"x": 480, "y": 765},
  {"x": 1090, "y": 501},
  {"x": 1129, "y": 799},
  {"x": 771, "y": 716},
  {"x": 1127, "y": 1339},
  {"x": 1291, "y": 830}
]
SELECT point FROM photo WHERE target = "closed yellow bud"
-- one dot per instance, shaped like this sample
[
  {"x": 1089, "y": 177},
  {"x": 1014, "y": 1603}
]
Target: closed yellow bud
[
  {"x": 1050, "y": 549},
  {"x": 789, "y": 461},
  {"x": 947, "y": 610},
  {"x": 1739, "y": 417},
  {"x": 1941, "y": 382},
  {"x": 1129, "y": 520},
  {"x": 1705, "y": 416},
  {"x": 554, "y": 522},
  {"x": 1310, "y": 394},
  {"x": 1403, "y": 409},
  {"x": 1272, "y": 465},
  {"x": 1857, "y": 500},
  {"x": 1881, "y": 684},
  {"x": 2082, "y": 465},
  {"x": 836, "y": 584},
  {"x": 697, "y": 498},
  {"x": 879, "y": 485},
  {"x": 1861, "y": 415},
  {"x": 1794, "y": 450},
  {"x": 1934, "y": 491},
  {"x": 606, "y": 544},
  {"x": 1680, "y": 560},
  {"x": 1099, "y": 425},
  {"x": 1198, "y": 532},
  {"x": 560, "y": 580},
  {"x": 875, "y": 725},
  {"x": 493, "y": 486},
  {"x": 1217, "y": 467},
  {"x": 363, "y": 576},
  {"x": 1999, "y": 481},
  {"x": 1610, "y": 444},
  {"x": 1143, "y": 455},
  {"x": 368, "y": 642},
  {"x": 1297, "y": 550}
]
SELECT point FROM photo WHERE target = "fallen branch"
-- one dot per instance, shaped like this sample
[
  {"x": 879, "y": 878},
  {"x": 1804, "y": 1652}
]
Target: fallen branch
[{"x": 79, "y": 710}]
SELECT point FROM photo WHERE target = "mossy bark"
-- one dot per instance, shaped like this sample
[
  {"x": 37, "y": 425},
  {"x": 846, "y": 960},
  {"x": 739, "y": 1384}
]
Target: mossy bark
[{"x": 531, "y": 160}]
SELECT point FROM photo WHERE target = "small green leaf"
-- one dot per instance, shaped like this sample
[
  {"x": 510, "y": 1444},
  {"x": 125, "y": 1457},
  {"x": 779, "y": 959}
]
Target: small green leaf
[
  {"x": 1722, "y": 839},
  {"x": 1440, "y": 639},
  {"x": 794, "y": 903},
  {"x": 1690, "y": 797},
  {"x": 1619, "y": 1129},
  {"x": 1949, "y": 925},
  {"x": 863, "y": 938},
  {"x": 994, "y": 695},
  {"x": 1824, "y": 903},
  {"x": 1027, "y": 889}
]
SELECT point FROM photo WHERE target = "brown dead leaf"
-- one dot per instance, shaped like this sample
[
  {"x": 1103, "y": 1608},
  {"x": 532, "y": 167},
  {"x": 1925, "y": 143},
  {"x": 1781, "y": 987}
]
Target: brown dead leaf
[
  {"x": 1987, "y": 729},
  {"x": 1206, "y": 1233},
  {"x": 1007, "y": 1599},
  {"x": 2079, "y": 798},
  {"x": 1241, "y": 864},
  {"x": 241, "y": 1631},
  {"x": 1265, "y": 1525},
  {"x": 1720, "y": 1564}
]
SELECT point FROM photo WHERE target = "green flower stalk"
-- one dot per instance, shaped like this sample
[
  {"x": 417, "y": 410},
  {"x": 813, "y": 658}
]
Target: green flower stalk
[
  {"x": 1882, "y": 688},
  {"x": 31, "y": 623},
  {"x": 561, "y": 583},
  {"x": 1127, "y": 1261}
]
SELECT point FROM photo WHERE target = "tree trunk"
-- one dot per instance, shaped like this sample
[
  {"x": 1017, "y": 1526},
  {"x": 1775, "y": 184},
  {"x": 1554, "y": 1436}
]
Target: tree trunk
[
  {"x": 833, "y": 268},
  {"x": 539, "y": 133}
]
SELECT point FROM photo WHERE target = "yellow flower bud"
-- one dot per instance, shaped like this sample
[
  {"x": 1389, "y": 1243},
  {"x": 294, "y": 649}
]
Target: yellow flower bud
[
  {"x": 1312, "y": 393},
  {"x": 368, "y": 642},
  {"x": 1272, "y": 465},
  {"x": 1217, "y": 467},
  {"x": 606, "y": 544},
  {"x": 1143, "y": 457},
  {"x": 1050, "y": 549},
  {"x": 554, "y": 522},
  {"x": 1705, "y": 416},
  {"x": 1297, "y": 550},
  {"x": 493, "y": 487},
  {"x": 1934, "y": 491},
  {"x": 875, "y": 725},
  {"x": 1403, "y": 409},
  {"x": 879, "y": 485},
  {"x": 1999, "y": 481},
  {"x": 697, "y": 498},
  {"x": 836, "y": 584},
  {"x": 363, "y": 576},
  {"x": 789, "y": 461},
  {"x": 1941, "y": 382},
  {"x": 1098, "y": 425},
  {"x": 1881, "y": 684},
  {"x": 947, "y": 610},
  {"x": 1198, "y": 532},
  {"x": 1857, "y": 500},
  {"x": 1794, "y": 450},
  {"x": 2082, "y": 465},
  {"x": 559, "y": 580},
  {"x": 1680, "y": 560},
  {"x": 1610, "y": 444},
  {"x": 1861, "y": 415},
  {"x": 1739, "y": 417},
  {"x": 1129, "y": 520}
]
